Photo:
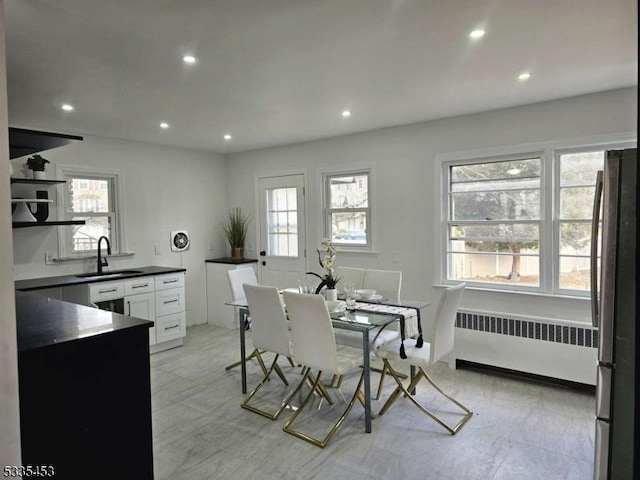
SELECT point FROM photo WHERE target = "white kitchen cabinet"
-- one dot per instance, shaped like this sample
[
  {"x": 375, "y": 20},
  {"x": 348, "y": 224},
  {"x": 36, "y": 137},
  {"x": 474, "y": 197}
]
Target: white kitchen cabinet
[
  {"x": 170, "y": 327},
  {"x": 159, "y": 298},
  {"x": 218, "y": 291},
  {"x": 142, "y": 305}
]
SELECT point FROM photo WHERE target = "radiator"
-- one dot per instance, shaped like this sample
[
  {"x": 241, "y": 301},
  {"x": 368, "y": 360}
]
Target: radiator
[{"x": 553, "y": 348}]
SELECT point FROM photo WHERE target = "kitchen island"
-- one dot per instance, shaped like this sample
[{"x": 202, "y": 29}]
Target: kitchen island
[{"x": 85, "y": 394}]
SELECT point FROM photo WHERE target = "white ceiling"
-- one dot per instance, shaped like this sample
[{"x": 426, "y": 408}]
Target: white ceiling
[{"x": 274, "y": 72}]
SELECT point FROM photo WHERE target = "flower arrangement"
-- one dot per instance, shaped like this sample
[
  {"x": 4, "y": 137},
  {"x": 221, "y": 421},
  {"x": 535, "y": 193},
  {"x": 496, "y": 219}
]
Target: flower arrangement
[{"x": 327, "y": 279}]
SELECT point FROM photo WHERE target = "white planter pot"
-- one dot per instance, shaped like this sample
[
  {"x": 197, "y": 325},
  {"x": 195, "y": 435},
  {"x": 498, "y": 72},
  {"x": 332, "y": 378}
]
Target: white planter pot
[
  {"x": 38, "y": 175},
  {"x": 330, "y": 294}
]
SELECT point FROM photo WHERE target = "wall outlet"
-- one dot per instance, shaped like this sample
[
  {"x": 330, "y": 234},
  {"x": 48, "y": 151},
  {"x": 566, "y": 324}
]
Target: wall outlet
[
  {"x": 158, "y": 249},
  {"x": 49, "y": 258}
]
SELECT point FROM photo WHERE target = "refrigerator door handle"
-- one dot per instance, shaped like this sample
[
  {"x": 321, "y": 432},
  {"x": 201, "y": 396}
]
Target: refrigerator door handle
[{"x": 595, "y": 227}]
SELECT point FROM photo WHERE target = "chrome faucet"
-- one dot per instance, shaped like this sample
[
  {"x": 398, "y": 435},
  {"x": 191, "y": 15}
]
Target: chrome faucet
[{"x": 102, "y": 261}]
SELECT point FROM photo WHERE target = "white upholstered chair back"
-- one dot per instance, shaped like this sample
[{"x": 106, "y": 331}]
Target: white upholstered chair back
[
  {"x": 348, "y": 274},
  {"x": 443, "y": 331},
  {"x": 314, "y": 344},
  {"x": 268, "y": 319},
  {"x": 237, "y": 278},
  {"x": 385, "y": 282}
]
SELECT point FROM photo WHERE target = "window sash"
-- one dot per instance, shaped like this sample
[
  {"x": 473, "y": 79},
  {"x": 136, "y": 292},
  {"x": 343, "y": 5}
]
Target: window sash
[{"x": 331, "y": 211}]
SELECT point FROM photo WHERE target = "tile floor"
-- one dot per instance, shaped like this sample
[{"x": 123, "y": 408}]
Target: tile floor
[{"x": 520, "y": 430}]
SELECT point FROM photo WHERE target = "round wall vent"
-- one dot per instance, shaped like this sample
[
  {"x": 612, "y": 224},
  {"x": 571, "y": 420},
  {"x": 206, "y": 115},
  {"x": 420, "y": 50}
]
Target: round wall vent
[{"x": 180, "y": 241}]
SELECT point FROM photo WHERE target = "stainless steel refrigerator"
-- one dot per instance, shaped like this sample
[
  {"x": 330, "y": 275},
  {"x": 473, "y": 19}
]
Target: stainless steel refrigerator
[{"x": 614, "y": 305}]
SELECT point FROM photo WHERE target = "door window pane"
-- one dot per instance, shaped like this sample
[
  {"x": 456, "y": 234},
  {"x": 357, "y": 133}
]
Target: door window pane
[{"x": 282, "y": 222}]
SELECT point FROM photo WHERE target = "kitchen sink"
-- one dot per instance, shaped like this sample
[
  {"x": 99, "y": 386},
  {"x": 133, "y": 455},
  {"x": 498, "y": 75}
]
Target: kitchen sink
[{"x": 111, "y": 274}]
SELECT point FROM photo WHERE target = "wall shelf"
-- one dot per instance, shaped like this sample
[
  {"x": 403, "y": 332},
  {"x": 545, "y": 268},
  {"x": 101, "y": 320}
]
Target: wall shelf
[
  {"x": 47, "y": 224},
  {"x": 33, "y": 181}
]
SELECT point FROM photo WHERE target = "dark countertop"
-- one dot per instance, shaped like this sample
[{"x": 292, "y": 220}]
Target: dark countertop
[
  {"x": 232, "y": 261},
  {"x": 43, "y": 321},
  {"x": 68, "y": 280}
]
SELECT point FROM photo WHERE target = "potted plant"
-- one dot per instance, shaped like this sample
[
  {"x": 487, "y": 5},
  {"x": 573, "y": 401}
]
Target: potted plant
[
  {"x": 235, "y": 229},
  {"x": 37, "y": 163},
  {"x": 328, "y": 279}
]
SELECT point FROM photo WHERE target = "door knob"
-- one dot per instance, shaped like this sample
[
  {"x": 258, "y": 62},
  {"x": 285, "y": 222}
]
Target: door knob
[
  {"x": 264, "y": 263},
  {"x": 262, "y": 253}
]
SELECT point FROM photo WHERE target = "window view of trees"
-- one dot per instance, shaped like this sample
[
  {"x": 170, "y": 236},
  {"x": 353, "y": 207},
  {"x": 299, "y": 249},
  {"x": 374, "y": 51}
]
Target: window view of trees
[
  {"x": 348, "y": 208},
  {"x": 496, "y": 220},
  {"x": 577, "y": 188}
]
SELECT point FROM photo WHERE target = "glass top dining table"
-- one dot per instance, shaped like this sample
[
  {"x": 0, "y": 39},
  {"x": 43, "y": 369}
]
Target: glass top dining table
[{"x": 368, "y": 323}]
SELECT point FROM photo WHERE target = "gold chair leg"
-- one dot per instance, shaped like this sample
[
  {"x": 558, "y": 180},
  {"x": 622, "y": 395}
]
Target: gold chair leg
[
  {"x": 249, "y": 357},
  {"x": 270, "y": 415},
  {"x": 308, "y": 438},
  {"x": 406, "y": 390}
]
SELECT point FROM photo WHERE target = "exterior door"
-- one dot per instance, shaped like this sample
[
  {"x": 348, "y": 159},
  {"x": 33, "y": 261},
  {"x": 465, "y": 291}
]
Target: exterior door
[{"x": 281, "y": 236}]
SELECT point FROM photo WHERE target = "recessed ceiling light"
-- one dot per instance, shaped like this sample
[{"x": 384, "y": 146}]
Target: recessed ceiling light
[
  {"x": 514, "y": 171},
  {"x": 67, "y": 108},
  {"x": 477, "y": 34},
  {"x": 189, "y": 59},
  {"x": 227, "y": 136},
  {"x": 164, "y": 125},
  {"x": 346, "y": 113},
  {"x": 524, "y": 76}
]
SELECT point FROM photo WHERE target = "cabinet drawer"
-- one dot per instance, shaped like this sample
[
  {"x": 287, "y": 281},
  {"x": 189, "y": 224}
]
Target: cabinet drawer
[
  {"x": 170, "y": 280},
  {"x": 139, "y": 285},
  {"x": 169, "y": 301},
  {"x": 105, "y": 291},
  {"x": 170, "y": 327}
]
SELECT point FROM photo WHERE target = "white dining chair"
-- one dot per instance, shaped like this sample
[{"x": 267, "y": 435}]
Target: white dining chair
[
  {"x": 349, "y": 274},
  {"x": 385, "y": 282},
  {"x": 426, "y": 355},
  {"x": 237, "y": 279},
  {"x": 270, "y": 333},
  {"x": 314, "y": 347}
]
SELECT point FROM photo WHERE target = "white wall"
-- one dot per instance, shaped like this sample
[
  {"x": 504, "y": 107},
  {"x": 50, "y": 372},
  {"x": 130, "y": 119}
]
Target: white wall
[
  {"x": 165, "y": 189},
  {"x": 404, "y": 209},
  {"x": 9, "y": 410}
]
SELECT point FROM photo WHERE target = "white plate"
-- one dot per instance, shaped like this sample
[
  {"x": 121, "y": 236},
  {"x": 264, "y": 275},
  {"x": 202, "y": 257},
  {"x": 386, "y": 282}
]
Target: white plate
[
  {"x": 373, "y": 298},
  {"x": 341, "y": 307}
]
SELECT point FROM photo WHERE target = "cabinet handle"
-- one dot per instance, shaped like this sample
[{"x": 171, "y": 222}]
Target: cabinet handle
[
  {"x": 140, "y": 285},
  {"x": 129, "y": 305},
  {"x": 107, "y": 291},
  {"x": 171, "y": 328},
  {"x": 170, "y": 301},
  {"x": 169, "y": 281}
]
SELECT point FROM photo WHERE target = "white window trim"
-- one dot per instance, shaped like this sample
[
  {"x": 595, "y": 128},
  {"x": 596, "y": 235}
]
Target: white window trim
[
  {"x": 371, "y": 224},
  {"x": 119, "y": 247},
  {"x": 548, "y": 237}
]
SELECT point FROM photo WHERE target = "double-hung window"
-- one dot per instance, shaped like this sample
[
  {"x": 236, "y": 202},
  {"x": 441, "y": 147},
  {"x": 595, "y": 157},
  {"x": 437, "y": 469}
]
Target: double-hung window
[
  {"x": 347, "y": 208},
  {"x": 493, "y": 229},
  {"x": 91, "y": 196},
  {"x": 521, "y": 222}
]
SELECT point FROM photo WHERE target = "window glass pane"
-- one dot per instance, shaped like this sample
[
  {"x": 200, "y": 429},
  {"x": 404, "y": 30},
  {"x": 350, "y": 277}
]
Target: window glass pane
[
  {"x": 504, "y": 205},
  {"x": 525, "y": 235},
  {"x": 575, "y": 238},
  {"x": 89, "y": 195},
  {"x": 85, "y": 237},
  {"x": 575, "y": 273},
  {"x": 349, "y": 227},
  {"x": 580, "y": 168},
  {"x": 493, "y": 268},
  {"x": 282, "y": 222},
  {"x": 577, "y": 202},
  {"x": 513, "y": 170},
  {"x": 349, "y": 191}
]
